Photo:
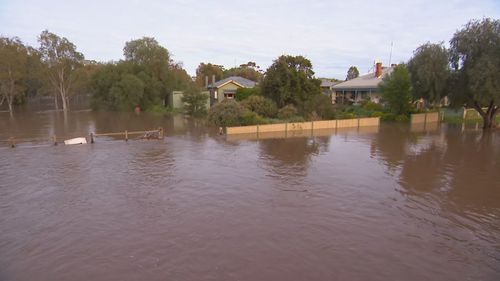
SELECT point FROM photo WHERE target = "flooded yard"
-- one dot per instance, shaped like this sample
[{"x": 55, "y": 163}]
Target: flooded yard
[{"x": 394, "y": 203}]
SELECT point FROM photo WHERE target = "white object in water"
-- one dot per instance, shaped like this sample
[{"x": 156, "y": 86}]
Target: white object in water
[{"x": 76, "y": 141}]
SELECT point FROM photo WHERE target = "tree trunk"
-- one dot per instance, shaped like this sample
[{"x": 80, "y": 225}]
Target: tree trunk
[
  {"x": 488, "y": 116},
  {"x": 55, "y": 102},
  {"x": 64, "y": 99}
]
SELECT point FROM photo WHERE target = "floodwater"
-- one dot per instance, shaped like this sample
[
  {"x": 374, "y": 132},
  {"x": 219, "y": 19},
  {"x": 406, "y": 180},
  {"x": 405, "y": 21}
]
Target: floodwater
[{"x": 397, "y": 203}]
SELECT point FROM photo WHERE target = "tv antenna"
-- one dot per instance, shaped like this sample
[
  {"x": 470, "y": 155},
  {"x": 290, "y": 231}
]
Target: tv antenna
[{"x": 390, "y": 55}]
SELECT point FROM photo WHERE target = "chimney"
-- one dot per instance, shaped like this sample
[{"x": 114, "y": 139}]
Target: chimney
[
  {"x": 213, "y": 80},
  {"x": 206, "y": 81},
  {"x": 393, "y": 65},
  {"x": 378, "y": 69}
]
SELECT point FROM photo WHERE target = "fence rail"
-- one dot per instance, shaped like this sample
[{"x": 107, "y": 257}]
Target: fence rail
[{"x": 54, "y": 139}]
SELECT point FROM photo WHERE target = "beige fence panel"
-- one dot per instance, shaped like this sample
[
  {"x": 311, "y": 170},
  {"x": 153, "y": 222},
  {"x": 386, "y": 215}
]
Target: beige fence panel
[
  {"x": 326, "y": 124},
  {"x": 418, "y": 118},
  {"x": 364, "y": 122},
  {"x": 432, "y": 117},
  {"x": 347, "y": 123},
  {"x": 272, "y": 128},
  {"x": 299, "y": 126},
  {"x": 241, "y": 130}
]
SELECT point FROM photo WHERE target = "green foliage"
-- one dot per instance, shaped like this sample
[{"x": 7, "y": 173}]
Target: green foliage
[
  {"x": 320, "y": 106},
  {"x": 195, "y": 102},
  {"x": 261, "y": 105},
  {"x": 244, "y": 93},
  {"x": 13, "y": 69},
  {"x": 352, "y": 73},
  {"x": 147, "y": 61},
  {"x": 61, "y": 60},
  {"x": 250, "y": 118},
  {"x": 226, "y": 113},
  {"x": 208, "y": 70},
  {"x": 249, "y": 71},
  {"x": 371, "y": 106},
  {"x": 290, "y": 80},
  {"x": 287, "y": 112},
  {"x": 429, "y": 69},
  {"x": 396, "y": 90},
  {"x": 475, "y": 56}
]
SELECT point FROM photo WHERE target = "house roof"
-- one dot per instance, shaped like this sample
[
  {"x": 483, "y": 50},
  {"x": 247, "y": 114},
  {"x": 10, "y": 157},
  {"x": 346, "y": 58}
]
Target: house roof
[
  {"x": 367, "y": 81},
  {"x": 327, "y": 83},
  {"x": 240, "y": 81}
]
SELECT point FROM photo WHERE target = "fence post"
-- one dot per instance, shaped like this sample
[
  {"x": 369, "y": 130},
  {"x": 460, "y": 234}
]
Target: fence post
[
  {"x": 91, "y": 137},
  {"x": 54, "y": 139},
  {"x": 160, "y": 132},
  {"x": 12, "y": 142},
  {"x": 126, "y": 135}
]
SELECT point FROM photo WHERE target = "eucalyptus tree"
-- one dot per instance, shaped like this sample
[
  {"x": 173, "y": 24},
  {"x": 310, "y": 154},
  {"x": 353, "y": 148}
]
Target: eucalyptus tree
[
  {"x": 13, "y": 69},
  {"x": 352, "y": 73},
  {"x": 61, "y": 60}
]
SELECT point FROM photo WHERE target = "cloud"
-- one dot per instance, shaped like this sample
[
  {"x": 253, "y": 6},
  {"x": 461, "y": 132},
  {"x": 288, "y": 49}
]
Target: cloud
[{"x": 333, "y": 34}]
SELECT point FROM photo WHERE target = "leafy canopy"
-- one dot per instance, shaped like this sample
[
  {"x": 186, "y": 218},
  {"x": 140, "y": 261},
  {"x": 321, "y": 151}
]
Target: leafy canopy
[{"x": 396, "y": 90}]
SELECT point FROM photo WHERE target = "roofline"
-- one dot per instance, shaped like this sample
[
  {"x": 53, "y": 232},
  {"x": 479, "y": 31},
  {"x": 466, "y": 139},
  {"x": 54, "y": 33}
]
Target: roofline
[{"x": 355, "y": 88}]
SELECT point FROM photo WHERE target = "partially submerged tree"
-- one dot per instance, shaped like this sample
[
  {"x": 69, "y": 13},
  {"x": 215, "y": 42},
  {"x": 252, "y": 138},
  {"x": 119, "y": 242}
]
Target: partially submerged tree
[
  {"x": 290, "y": 80},
  {"x": 13, "y": 69},
  {"x": 61, "y": 59},
  {"x": 352, "y": 73},
  {"x": 429, "y": 69},
  {"x": 195, "y": 102},
  {"x": 475, "y": 56},
  {"x": 396, "y": 90}
]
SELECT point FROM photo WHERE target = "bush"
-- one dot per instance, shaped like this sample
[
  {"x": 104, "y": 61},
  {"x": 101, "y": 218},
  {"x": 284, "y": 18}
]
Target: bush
[
  {"x": 320, "y": 105},
  {"x": 287, "y": 112},
  {"x": 250, "y": 118},
  {"x": 244, "y": 93},
  {"x": 371, "y": 106},
  {"x": 261, "y": 105},
  {"x": 226, "y": 113},
  {"x": 195, "y": 103}
]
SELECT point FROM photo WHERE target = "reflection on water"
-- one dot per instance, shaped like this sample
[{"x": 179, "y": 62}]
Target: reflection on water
[{"x": 394, "y": 203}]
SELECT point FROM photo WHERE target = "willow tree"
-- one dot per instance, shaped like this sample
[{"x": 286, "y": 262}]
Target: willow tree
[
  {"x": 475, "y": 57},
  {"x": 13, "y": 69},
  {"x": 61, "y": 60}
]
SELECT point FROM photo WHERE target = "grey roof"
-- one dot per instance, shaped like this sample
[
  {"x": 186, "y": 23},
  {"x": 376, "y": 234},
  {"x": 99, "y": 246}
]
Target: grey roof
[
  {"x": 327, "y": 83},
  {"x": 367, "y": 81},
  {"x": 237, "y": 79}
]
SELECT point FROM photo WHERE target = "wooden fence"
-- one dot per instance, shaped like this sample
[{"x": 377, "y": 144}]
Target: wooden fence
[
  {"x": 430, "y": 117},
  {"x": 304, "y": 126}
]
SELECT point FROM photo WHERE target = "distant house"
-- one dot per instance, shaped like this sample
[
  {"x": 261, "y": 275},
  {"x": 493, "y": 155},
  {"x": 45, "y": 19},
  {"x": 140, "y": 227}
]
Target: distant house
[
  {"x": 365, "y": 87},
  {"x": 327, "y": 87},
  {"x": 226, "y": 88}
]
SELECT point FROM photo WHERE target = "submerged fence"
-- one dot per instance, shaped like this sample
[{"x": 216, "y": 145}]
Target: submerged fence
[
  {"x": 304, "y": 126},
  {"x": 430, "y": 117},
  {"x": 91, "y": 138}
]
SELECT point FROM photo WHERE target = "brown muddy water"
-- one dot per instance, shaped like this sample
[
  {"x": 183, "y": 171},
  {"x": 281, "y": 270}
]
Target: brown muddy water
[{"x": 399, "y": 203}]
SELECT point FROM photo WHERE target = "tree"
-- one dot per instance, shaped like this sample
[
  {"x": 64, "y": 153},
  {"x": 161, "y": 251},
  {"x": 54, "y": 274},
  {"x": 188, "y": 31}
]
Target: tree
[
  {"x": 226, "y": 113},
  {"x": 352, "y": 73},
  {"x": 290, "y": 80},
  {"x": 261, "y": 105},
  {"x": 396, "y": 90},
  {"x": 248, "y": 70},
  {"x": 61, "y": 59},
  {"x": 195, "y": 102},
  {"x": 208, "y": 70},
  {"x": 147, "y": 53},
  {"x": 13, "y": 69},
  {"x": 475, "y": 58},
  {"x": 429, "y": 70}
]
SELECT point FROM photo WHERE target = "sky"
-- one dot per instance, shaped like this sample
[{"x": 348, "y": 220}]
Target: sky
[{"x": 334, "y": 35}]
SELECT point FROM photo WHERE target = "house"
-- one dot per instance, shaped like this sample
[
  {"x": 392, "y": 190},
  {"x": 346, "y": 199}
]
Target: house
[
  {"x": 365, "y": 87},
  {"x": 226, "y": 88},
  {"x": 327, "y": 87}
]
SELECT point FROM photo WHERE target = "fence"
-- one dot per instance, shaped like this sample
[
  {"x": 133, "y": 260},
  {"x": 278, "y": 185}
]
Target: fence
[
  {"x": 430, "y": 117},
  {"x": 304, "y": 126},
  {"x": 54, "y": 140}
]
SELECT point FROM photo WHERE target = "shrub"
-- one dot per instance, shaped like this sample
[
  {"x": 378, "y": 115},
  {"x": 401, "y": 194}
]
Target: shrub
[
  {"x": 287, "y": 112},
  {"x": 195, "y": 103},
  {"x": 371, "y": 106},
  {"x": 226, "y": 113},
  {"x": 321, "y": 105},
  {"x": 261, "y": 105},
  {"x": 250, "y": 118},
  {"x": 244, "y": 93}
]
